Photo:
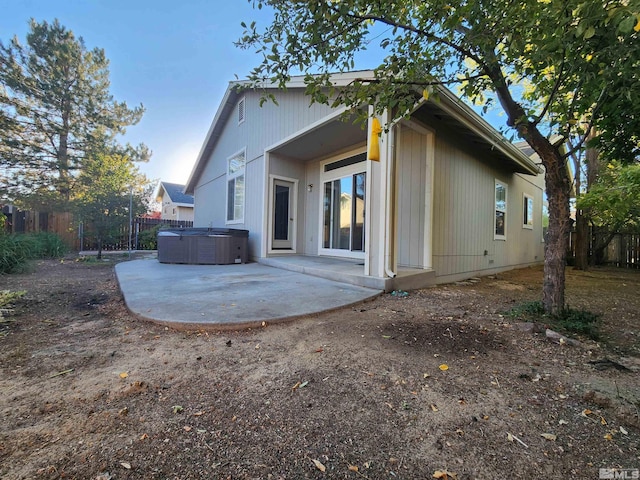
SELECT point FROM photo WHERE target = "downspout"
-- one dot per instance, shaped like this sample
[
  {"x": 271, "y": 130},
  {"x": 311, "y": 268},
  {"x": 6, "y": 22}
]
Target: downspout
[{"x": 390, "y": 204}]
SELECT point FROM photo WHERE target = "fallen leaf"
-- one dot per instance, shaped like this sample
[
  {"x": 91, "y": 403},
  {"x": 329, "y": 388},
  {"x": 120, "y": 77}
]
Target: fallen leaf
[
  {"x": 353, "y": 468},
  {"x": 144, "y": 436},
  {"x": 603, "y": 421},
  {"x": 386, "y": 336},
  {"x": 126, "y": 465},
  {"x": 444, "y": 367},
  {"x": 319, "y": 350},
  {"x": 608, "y": 436},
  {"x": 549, "y": 436},
  {"x": 586, "y": 412},
  {"x": 177, "y": 409},
  {"x": 509, "y": 437},
  {"x": 187, "y": 428},
  {"x": 443, "y": 474},
  {"x": 304, "y": 384},
  {"x": 197, "y": 414},
  {"x": 124, "y": 375},
  {"x": 563, "y": 422},
  {"x": 623, "y": 431},
  {"x": 434, "y": 408},
  {"x": 295, "y": 386},
  {"x": 319, "y": 466},
  {"x": 425, "y": 375}
]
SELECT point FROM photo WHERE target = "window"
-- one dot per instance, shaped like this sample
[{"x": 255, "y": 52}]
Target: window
[
  {"x": 527, "y": 211},
  {"x": 235, "y": 188},
  {"x": 241, "y": 111},
  {"x": 500, "y": 220}
]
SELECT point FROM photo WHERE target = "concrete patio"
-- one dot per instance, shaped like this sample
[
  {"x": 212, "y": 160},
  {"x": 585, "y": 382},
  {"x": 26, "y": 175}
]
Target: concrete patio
[{"x": 237, "y": 296}]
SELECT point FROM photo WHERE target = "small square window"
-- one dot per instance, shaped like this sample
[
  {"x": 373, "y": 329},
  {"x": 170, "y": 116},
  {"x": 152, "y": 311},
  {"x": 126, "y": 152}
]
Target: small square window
[{"x": 527, "y": 211}]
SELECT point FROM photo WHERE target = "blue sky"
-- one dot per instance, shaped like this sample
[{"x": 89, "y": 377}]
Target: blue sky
[{"x": 176, "y": 58}]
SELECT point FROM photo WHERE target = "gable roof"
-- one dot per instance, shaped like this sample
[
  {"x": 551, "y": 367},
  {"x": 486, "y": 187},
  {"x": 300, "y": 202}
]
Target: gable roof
[
  {"x": 175, "y": 192},
  {"x": 451, "y": 106}
]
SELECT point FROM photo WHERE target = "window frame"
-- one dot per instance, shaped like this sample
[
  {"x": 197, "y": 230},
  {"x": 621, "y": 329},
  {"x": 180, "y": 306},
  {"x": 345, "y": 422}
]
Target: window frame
[
  {"x": 527, "y": 217},
  {"x": 233, "y": 176},
  {"x": 504, "y": 211}
]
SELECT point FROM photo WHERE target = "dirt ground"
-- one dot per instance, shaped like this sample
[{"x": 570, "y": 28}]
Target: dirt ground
[{"x": 438, "y": 382}]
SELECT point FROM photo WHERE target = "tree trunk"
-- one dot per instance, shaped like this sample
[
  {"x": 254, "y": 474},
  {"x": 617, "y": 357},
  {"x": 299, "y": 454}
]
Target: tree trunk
[
  {"x": 557, "y": 184},
  {"x": 582, "y": 241},
  {"x": 557, "y": 242},
  {"x": 99, "y": 248}
]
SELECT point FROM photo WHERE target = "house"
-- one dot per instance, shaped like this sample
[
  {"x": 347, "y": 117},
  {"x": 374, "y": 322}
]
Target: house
[
  {"x": 175, "y": 204},
  {"x": 449, "y": 198}
]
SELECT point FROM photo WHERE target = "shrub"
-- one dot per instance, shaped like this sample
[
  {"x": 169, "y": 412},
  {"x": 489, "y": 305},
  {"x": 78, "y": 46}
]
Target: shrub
[
  {"x": 148, "y": 239},
  {"x": 569, "y": 320},
  {"x": 16, "y": 250}
]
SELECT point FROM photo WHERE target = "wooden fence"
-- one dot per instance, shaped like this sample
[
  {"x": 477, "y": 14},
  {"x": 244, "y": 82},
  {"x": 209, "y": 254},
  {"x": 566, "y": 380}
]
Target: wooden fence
[
  {"x": 79, "y": 238},
  {"x": 623, "y": 250}
]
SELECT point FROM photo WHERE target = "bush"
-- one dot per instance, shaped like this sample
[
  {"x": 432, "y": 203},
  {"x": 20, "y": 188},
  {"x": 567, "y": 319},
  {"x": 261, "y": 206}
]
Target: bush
[
  {"x": 569, "y": 320},
  {"x": 17, "y": 250},
  {"x": 148, "y": 239}
]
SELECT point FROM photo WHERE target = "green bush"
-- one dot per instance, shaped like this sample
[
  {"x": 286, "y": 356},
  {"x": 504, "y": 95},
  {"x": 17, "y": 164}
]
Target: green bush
[
  {"x": 49, "y": 245},
  {"x": 148, "y": 239},
  {"x": 16, "y": 250},
  {"x": 568, "y": 320}
]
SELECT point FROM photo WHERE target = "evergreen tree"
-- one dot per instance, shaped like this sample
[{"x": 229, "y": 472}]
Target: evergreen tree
[{"x": 55, "y": 113}]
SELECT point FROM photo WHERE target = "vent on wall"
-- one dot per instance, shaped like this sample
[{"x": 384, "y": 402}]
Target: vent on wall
[{"x": 241, "y": 111}]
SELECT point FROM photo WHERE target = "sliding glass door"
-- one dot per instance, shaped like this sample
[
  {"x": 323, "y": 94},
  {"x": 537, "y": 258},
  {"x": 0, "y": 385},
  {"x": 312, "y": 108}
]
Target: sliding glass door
[{"x": 344, "y": 212}]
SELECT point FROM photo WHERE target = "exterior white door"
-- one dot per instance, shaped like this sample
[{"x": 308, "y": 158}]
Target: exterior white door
[{"x": 283, "y": 215}]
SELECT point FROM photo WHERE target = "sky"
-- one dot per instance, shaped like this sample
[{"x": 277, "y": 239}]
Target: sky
[{"x": 175, "y": 58}]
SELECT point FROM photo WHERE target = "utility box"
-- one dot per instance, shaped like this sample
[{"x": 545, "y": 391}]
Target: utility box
[{"x": 203, "y": 246}]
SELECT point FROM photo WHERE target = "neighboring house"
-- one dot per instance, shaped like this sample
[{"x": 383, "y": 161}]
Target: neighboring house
[
  {"x": 175, "y": 204},
  {"x": 449, "y": 198}
]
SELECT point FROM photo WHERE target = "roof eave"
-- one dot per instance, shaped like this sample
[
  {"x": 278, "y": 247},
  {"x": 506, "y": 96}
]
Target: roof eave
[
  {"x": 228, "y": 101},
  {"x": 470, "y": 119}
]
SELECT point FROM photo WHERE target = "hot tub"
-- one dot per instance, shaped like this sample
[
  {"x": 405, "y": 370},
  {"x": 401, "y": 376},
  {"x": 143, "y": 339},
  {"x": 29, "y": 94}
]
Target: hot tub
[{"x": 203, "y": 246}]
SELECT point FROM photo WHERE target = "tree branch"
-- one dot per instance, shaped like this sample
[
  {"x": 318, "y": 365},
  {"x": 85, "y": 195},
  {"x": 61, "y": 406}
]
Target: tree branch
[
  {"x": 418, "y": 31},
  {"x": 554, "y": 90},
  {"x": 584, "y": 137}
]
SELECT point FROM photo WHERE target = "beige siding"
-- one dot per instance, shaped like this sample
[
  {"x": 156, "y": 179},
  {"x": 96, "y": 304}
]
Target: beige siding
[
  {"x": 411, "y": 171},
  {"x": 311, "y": 211},
  {"x": 464, "y": 204},
  {"x": 262, "y": 127}
]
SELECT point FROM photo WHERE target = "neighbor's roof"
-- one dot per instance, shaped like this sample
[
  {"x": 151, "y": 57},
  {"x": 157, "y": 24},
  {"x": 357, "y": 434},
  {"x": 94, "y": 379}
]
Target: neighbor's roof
[
  {"x": 446, "y": 101},
  {"x": 175, "y": 192}
]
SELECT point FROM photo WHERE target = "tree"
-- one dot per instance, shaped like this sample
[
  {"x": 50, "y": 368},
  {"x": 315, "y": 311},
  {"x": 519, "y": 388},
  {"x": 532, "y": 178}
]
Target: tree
[
  {"x": 110, "y": 191},
  {"x": 614, "y": 202},
  {"x": 548, "y": 64},
  {"x": 55, "y": 112}
]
